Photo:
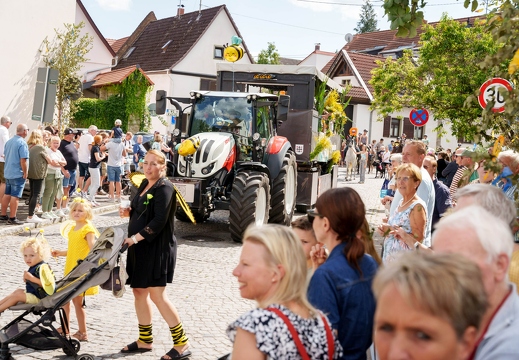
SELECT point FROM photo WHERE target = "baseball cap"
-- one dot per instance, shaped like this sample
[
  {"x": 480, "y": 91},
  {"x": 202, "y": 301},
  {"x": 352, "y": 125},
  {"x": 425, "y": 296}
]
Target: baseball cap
[
  {"x": 118, "y": 122},
  {"x": 68, "y": 131},
  {"x": 467, "y": 153},
  {"x": 365, "y": 130}
]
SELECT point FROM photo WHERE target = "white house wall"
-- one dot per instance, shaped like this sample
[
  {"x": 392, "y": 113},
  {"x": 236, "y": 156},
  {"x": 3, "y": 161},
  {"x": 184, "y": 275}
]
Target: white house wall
[
  {"x": 24, "y": 25},
  {"x": 99, "y": 58},
  {"x": 317, "y": 60},
  {"x": 361, "y": 120}
]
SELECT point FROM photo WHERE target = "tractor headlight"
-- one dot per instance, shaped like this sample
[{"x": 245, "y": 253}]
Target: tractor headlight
[
  {"x": 181, "y": 167},
  {"x": 176, "y": 132},
  {"x": 208, "y": 169},
  {"x": 255, "y": 136}
]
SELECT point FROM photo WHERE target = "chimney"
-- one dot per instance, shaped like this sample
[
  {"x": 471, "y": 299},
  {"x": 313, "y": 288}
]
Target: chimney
[
  {"x": 180, "y": 10},
  {"x": 317, "y": 46}
]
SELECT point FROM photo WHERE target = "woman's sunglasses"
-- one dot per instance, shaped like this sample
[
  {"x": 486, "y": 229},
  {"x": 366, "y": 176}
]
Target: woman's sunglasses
[{"x": 311, "y": 214}]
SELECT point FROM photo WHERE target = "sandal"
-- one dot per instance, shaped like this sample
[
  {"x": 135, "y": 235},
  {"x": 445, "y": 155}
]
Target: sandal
[
  {"x": 60, "y": 331},
  {"x": 175, "y": 355},
  {"x": 134, "y": 348},
  {"x": 80, "y": 336}
]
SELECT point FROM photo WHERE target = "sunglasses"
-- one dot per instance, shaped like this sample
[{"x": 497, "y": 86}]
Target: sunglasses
[{"x": 312, "y": 214}]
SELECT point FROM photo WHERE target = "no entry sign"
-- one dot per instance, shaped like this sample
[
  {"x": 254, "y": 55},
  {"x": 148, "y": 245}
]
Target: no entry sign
[
  {"x": 489, "y": 91},
  {"x": 419, "y": 117}
]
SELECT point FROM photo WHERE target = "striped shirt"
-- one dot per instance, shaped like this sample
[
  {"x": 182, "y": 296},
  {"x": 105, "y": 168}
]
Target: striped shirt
[{"x": 456, "y": 180}]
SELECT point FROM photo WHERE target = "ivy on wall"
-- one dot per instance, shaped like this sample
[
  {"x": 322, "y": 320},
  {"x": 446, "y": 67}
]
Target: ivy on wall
[{"x": 126, "y": 101}]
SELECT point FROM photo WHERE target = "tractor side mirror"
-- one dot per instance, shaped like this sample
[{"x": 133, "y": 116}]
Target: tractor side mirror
[
  {"x": 283, "y": 106},
  {"x": 160, "y": 102}
]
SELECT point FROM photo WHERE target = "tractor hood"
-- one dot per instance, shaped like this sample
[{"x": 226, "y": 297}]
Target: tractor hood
[{"x": 216, "y": 150}]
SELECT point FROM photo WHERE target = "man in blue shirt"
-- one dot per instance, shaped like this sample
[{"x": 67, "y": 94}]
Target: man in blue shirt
[
  {"x": 16, "y": 153},
  {"x": 442, "y": 201},
  {"x": 138, "y": 152}
]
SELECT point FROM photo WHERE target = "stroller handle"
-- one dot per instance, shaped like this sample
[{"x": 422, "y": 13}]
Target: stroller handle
[{"x": 123, "y": 248}]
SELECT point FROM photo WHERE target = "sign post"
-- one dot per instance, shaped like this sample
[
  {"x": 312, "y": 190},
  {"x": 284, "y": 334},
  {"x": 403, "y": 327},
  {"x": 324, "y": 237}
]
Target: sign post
[{"x": 489, "y": 91}]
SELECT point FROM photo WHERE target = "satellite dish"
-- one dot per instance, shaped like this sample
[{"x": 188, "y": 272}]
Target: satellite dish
[{"x": 348, "y": 37}]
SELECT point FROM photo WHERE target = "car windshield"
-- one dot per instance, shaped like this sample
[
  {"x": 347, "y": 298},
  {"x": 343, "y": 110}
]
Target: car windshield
[{"x": 229, "y": 114}]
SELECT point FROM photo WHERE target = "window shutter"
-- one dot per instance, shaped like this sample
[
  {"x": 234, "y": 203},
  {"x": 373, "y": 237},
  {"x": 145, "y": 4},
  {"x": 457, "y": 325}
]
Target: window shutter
[
  {"x": 387, "y": 126},
  {"x": 408, "y": 128}
]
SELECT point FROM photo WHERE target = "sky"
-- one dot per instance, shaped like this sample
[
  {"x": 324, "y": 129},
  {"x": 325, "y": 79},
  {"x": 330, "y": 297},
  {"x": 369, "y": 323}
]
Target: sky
[{"x": 295, "y": 26}]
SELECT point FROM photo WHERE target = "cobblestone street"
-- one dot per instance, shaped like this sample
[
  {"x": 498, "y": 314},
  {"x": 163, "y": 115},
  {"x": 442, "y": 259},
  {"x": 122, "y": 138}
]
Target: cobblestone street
[{"x": 204, "y": 290}]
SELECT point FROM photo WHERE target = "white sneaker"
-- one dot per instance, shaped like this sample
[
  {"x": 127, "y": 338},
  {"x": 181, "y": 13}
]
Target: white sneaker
[
  {"x": 35, "y": 219},
  {"x": 59, "y": 213},
  {"x": 66, "y": 211},
  {"x": 47, "y": 215}
]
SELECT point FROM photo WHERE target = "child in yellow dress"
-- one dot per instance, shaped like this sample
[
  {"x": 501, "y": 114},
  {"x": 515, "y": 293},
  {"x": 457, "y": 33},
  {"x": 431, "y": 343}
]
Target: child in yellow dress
[
  {"x": 81, "y": 235},
  {"x": 35, "y": 251}
]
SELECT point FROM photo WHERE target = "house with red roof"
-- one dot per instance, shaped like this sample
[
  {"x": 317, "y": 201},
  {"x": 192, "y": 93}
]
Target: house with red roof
[
  {"x": 179, "y": 54},
  {"x": 352, "y": 67}
]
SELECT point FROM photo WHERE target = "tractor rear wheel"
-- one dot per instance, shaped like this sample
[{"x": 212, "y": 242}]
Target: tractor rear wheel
[
  {"x": 284, "y": 192},
  {"x": 250, "y": 199}
]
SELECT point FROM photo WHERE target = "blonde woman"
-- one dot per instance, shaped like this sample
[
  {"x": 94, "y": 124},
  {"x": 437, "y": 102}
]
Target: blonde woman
[
  {"x": 272, "y": 271},
  {"x": 37, "y": 171},
  {"x": 54, "y": 177}
]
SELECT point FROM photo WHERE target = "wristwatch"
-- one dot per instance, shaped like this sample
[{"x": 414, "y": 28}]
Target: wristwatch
[{"x": 417, "y": 245}]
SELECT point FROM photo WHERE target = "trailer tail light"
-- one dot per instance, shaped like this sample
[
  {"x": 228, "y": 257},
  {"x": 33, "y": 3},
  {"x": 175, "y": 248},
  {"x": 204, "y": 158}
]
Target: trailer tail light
[
  {"x": 276, "y": 144},
  {"x": 231, "y": 158}
]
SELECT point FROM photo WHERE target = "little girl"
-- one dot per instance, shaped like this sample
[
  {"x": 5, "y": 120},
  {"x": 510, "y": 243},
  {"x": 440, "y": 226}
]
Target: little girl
[
  {"x": 35, "y": 251},
  {"x": 81, "y": 235}
]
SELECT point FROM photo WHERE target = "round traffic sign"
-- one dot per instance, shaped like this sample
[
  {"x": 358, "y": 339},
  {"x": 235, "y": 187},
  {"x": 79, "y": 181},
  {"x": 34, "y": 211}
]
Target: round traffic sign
[
  {"x": 419, "y": 117},
  {"x": 489, "y": 91}
]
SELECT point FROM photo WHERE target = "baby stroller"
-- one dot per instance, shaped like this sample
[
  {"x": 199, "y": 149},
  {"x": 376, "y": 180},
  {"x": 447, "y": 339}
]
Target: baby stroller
[{"x": 41, "y": 334}]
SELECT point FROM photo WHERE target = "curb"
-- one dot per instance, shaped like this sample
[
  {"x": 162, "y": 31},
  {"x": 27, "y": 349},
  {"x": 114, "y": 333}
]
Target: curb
[{"x": 18, "y": 229}]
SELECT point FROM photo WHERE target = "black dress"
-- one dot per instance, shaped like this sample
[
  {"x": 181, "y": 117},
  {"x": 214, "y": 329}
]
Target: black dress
[{"x": 151, "y": 262}]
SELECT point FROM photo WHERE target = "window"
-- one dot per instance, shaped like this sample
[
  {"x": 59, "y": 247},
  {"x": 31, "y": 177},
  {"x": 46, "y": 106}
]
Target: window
[
  {"x": 394, "y": 130},
  {"x": 129, "y": 52},
  {"x": 218, "y": 52},
  {"x": 418, "y": 132},
  {"x": 345, "y": 82},
  {"x": 208, "y": 84}
]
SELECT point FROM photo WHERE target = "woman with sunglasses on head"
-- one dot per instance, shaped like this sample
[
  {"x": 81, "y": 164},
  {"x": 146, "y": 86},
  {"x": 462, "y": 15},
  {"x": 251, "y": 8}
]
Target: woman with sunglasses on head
[
  {"x": 341, "y": 284},
  {"x": 408, "y": 222}
]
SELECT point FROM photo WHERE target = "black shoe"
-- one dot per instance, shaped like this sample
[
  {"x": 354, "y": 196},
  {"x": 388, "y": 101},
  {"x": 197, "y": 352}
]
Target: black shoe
[
  {"x": 3, "y": 218},
  {"x": 14, "y": 221}
]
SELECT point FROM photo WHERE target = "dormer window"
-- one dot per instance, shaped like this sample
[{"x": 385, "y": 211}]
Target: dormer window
[
  {"x": 128, "y": 53},
  {"x": 165, "y": 46}
]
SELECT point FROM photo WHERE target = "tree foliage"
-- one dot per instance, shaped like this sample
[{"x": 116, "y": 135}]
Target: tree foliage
[
  {"x": 269, "y": 55},
  {"x": 444, "y": 75},
  {"x": 127, "y": 102},
  {"x": 368, "y": 19},
  {"x": 65, "y": 53}
]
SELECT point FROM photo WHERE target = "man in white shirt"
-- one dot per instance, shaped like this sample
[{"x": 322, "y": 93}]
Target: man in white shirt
[
  {"x": 116, "y": 153},
  {"x": 85, "y": 145},
  {"x": 5, "y": 123}
]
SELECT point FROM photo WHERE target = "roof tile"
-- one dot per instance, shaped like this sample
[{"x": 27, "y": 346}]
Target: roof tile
[{"x": 116, "y": 76}]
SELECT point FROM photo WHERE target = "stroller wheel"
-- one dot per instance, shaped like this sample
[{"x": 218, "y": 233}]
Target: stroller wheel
[
  {"x": 76, "y": 345},
  {"x": 86, "y": 357}
]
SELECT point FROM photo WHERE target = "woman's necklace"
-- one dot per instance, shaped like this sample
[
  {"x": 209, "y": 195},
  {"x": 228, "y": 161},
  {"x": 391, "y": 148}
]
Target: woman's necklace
[{"x": 404, "y": 204}]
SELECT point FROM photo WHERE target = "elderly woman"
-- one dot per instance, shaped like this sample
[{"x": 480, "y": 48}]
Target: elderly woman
[
  {"x": 152, "y": 256},
  {"x": 341, "y": 285},
  {"x": 37, "y": 171},
  {"x": 272, "y": 271},
  {"x": 429, "y": 306},
  {"x": 53, "y": 179},
  {"x": 409, "y": 219}
]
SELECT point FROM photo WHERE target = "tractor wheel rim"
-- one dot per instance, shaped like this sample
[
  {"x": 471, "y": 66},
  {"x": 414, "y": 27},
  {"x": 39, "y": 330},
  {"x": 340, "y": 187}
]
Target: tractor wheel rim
[
  {"x": 261, "y": 204},
  {"x": 289, "y": 193}
]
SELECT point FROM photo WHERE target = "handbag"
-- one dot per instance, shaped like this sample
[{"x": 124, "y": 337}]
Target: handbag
[
  {"x": 116, "y": 281},
  {"x": 297, "y": 339}
]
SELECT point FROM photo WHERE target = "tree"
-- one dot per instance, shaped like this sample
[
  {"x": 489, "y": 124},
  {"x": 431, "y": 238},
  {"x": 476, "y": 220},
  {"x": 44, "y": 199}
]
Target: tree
[
  {"x": 445, "y": 74},
  {"x": 269, "y": 56},
  {"x": 368, "y": 19},
  {"x": 66, "y": 53}
]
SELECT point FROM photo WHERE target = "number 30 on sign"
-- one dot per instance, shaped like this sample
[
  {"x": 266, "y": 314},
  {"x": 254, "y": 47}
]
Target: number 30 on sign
[{"x": 489, "y": 91}]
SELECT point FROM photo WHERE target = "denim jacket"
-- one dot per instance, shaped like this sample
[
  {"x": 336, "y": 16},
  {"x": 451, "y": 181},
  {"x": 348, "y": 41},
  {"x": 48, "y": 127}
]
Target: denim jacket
[{"x": 345, "y": 296}]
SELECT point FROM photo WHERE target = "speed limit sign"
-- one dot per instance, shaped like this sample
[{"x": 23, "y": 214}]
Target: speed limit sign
[{"x": 489, "y": 91}]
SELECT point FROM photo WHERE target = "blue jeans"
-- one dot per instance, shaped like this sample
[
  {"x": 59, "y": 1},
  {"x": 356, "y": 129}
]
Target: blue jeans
[
  {"x": 14, "y": 187},
  {"x": 114, "y": 173},
  {"x": 71, "y": 181}
]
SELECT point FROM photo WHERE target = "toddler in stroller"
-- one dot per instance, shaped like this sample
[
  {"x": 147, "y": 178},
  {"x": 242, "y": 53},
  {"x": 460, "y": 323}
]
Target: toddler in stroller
[{"x": 41, "y": 334}]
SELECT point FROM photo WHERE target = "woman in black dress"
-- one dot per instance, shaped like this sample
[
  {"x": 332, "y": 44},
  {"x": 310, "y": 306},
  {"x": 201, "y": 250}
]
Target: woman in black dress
[{"x": 152, "y": 255}]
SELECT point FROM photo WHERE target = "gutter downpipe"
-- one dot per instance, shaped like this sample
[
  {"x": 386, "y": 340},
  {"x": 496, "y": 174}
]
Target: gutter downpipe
[{"x": 370, "y": 125}]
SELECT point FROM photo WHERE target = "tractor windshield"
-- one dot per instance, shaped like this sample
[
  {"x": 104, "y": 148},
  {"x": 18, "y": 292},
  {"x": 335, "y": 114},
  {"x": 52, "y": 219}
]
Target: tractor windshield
[{"x": 229, "y": 114}]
